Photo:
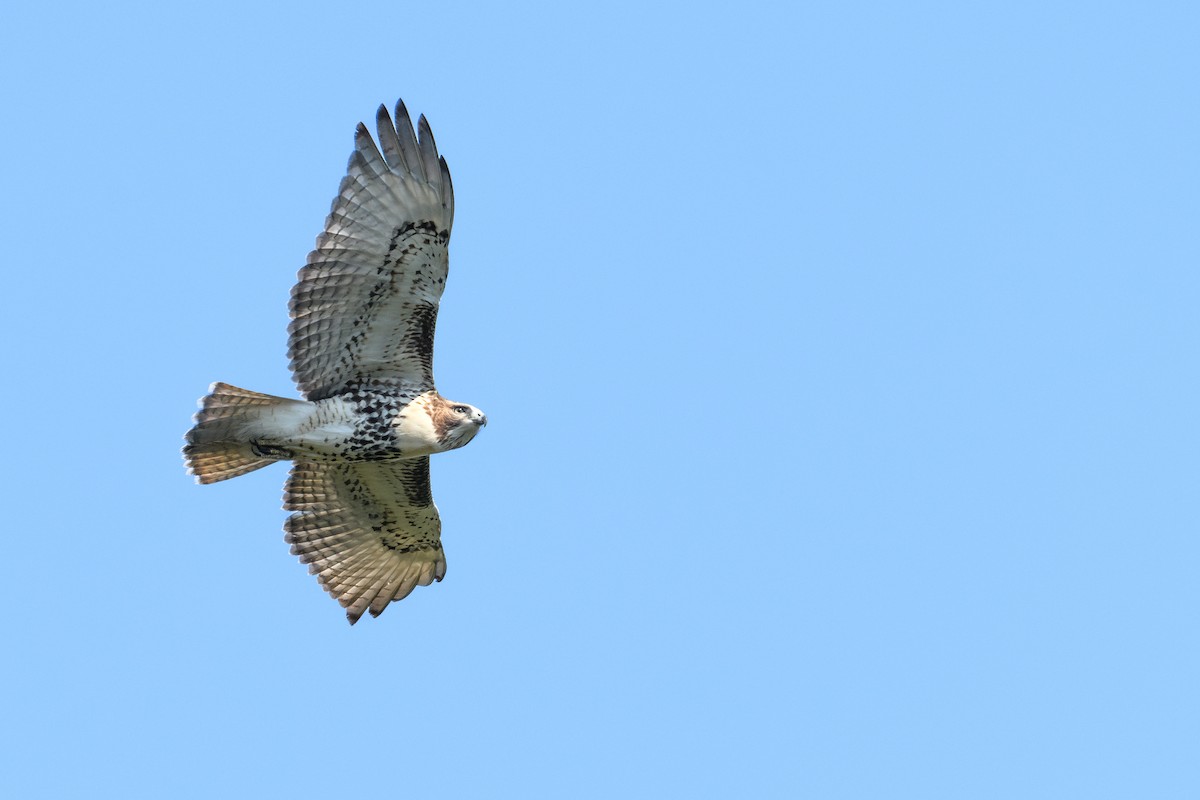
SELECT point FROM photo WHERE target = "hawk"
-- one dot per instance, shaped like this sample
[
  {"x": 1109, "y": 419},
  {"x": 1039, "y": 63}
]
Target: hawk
[{"x": 360, "y": 341}]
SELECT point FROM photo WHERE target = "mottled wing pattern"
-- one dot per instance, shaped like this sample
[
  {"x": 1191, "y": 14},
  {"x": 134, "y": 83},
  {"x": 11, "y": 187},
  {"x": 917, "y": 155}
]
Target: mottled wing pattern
[
  {"x": 368, "y": 530},
  {"x": 366, "y": 302}
]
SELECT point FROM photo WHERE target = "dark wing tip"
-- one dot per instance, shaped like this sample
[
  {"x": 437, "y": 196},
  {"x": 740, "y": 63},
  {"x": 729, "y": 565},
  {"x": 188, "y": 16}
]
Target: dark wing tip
[
  {"x": 425, "y": 131},
  {"x": 428, "y": 148},
  {"x": 402, "y": 112},
  {"x": 383, "y": 120}
]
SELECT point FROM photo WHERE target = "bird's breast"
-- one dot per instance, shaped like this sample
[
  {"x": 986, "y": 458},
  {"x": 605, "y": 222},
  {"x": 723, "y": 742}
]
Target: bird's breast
[{"x": 413, "y": 431}]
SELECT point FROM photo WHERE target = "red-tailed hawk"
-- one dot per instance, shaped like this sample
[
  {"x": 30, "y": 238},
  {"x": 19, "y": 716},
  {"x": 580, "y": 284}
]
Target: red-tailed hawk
[{"x": 361, "y": 347}]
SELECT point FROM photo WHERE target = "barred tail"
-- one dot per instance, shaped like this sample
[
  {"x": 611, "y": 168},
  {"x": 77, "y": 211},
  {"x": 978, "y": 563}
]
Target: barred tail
[{"x": 219, "y": 444}]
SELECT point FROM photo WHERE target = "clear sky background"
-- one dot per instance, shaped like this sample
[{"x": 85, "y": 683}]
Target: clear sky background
[{"x": 840, "y": 361}]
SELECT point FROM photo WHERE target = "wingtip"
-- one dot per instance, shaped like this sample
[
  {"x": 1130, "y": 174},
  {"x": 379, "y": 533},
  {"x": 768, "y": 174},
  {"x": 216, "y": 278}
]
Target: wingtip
[{"x": 383, "y": 118}]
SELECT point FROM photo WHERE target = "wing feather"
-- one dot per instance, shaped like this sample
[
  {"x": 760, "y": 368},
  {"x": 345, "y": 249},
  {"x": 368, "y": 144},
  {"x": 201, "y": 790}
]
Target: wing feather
[
  {"x": 366, "y": 158},
  {"x": 368, "y": 530},
  {"x": 429, "y": 153},
  {"x": 389, "y": 142},
  {"x": 408, "y": 140},
  {"x": 365, "y": 305},
  {"x": 449, "y": 190}
]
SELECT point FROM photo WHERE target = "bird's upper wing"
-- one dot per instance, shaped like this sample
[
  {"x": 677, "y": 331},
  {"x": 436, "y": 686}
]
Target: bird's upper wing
[
  {"x": 368, "y": 530},
  {"x": 366, "y": 303}
]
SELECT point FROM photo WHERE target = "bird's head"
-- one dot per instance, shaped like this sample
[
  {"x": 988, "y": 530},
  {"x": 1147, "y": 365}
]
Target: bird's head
[{"x": 457, "y": 423}]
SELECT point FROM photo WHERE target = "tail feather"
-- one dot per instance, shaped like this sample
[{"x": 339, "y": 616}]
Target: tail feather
[
  {"x": 218, "y": 445},
  {"x": 219, "y": 461}
]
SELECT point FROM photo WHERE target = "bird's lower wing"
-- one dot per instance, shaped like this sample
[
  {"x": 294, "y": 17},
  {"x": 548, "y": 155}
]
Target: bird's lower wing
[{"x": 368, "y": 530}]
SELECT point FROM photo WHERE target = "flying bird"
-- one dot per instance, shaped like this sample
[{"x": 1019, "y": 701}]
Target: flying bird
[{"x": 360, "y": 341}]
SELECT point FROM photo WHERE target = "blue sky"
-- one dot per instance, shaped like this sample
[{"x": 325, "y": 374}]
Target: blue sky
[{"x": 840, "y": 368}]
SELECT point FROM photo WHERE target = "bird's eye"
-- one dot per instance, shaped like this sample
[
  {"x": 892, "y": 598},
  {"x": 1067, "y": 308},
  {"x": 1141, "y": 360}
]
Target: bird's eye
[{"x": 460, "y": 409}]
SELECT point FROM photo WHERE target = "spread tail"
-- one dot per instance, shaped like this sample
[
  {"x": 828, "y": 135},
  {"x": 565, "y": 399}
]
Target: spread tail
[{"x": 219, "y": 445}]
